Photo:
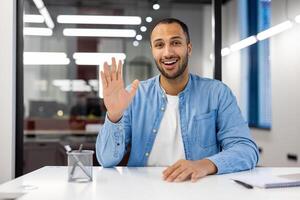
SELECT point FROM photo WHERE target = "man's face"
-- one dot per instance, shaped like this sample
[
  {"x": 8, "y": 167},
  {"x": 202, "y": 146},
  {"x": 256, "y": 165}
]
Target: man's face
[{"x": 170, "y": 49}]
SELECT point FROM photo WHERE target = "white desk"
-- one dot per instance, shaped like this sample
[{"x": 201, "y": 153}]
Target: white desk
[{"x": 142, "y": 184}]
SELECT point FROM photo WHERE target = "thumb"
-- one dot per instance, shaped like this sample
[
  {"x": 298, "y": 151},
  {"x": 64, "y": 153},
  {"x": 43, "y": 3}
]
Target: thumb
[{"x": 134, "y": 87}]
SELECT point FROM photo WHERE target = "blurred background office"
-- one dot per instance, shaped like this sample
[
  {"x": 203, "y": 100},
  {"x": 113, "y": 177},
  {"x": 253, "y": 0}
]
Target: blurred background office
[{"x": 51, "y": 94}]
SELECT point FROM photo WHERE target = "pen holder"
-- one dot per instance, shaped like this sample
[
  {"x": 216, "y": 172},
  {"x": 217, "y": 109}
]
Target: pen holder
[{"x": 80, "y": 166}]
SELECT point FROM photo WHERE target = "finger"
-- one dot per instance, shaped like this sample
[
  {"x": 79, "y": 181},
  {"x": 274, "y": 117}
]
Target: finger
[
  {"x": 119, "y": 71},
  {"x": 175, "y": 174},
  {"x": 107, "y": 73},
  {"x": 113, "y": 69},
  {"x": 134, "y": 87},
  {"x": 103, "y": 79},
  {"x": 184, "y": 175},
  {"x": 170, "y": 169}
]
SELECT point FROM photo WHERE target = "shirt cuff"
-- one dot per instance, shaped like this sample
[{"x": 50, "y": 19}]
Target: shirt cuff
[{"x": 222, "y": 165}]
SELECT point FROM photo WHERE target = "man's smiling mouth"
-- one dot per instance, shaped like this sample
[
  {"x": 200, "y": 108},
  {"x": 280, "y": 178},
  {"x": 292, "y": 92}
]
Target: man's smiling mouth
[{"x": 170, "y": 61}]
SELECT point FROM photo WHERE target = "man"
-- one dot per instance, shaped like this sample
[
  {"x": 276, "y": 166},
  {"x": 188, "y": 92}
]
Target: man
[{"x": 190, "y": 124}]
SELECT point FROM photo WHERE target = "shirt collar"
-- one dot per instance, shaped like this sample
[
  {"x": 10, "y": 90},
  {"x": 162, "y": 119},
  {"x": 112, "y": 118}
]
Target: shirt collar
[{"x": 162, "y": 91}]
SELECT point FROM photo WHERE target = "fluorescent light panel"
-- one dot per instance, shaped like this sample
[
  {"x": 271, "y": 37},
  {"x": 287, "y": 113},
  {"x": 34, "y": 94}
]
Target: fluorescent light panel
[
  {"x": 225, "y": 51},
  {"x": 85, "y": 32},
  {"x": 39, "y": 4},
  {"x": 274, "y": 30},
  {"x": 98, "y": 19},
  {"x": 34, "y": 19},
  {"x": 96, "y": 58},
  {"x": 76, "y": 85},
  {"x": 243, "y": 43},
  {"x": 45, "y": 58},
  {"x": 44, "y": 12},
  {"x": 37, "y": 31}
]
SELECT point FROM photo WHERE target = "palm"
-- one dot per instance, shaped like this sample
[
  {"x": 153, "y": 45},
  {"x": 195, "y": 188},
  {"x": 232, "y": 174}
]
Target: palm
[{"x": 116, "y": 97}]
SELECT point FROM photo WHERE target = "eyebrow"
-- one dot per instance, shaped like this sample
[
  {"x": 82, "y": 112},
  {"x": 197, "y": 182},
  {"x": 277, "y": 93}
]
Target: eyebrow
[{"x": 172, "y": 38}]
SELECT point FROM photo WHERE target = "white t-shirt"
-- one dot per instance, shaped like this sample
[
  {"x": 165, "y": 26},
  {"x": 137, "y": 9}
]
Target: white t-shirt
[{"x": 168, "y": 145}]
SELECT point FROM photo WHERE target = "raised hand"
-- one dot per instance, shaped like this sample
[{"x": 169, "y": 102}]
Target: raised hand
[{"x": 116, "y": 97}]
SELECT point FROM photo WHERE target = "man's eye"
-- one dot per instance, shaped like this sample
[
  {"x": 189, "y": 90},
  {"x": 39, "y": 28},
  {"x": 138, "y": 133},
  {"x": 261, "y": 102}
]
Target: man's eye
[
  {"x": 176, "y": 42},
  {"x": 158, "y": 45}
]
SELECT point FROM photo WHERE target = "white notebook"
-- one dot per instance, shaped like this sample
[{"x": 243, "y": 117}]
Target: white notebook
[{"x": 270, "y": 181}]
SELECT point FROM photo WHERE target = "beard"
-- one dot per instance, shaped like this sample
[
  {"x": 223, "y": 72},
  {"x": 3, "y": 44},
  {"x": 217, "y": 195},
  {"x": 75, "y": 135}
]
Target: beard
[{"x": 181, "y": 68}]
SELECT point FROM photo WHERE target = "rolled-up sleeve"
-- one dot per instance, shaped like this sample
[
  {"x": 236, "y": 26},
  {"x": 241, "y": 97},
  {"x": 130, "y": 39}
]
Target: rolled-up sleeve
[{"x": 238, "y": 150}]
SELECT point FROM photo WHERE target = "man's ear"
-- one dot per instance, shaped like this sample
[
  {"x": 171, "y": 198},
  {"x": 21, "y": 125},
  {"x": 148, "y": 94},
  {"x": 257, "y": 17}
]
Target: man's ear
[{"x": 189, "y": 46}]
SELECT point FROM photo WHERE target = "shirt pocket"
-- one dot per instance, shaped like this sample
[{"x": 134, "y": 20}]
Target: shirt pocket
[{"x": 204, "y": 129}]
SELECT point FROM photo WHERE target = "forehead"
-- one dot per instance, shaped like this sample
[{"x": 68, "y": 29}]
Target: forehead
[{"x": 167, "y": 31}]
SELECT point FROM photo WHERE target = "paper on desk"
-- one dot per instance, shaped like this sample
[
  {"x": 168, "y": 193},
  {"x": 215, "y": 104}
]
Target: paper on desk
[
  {"x": 10, "y": 195},
  {"x": 270, "y": 181}
]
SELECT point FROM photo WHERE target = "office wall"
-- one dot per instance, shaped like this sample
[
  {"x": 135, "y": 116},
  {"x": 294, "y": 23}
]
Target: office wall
[
  {"x": 7, "y": 85},
  {"x": 284, "y": 136}
]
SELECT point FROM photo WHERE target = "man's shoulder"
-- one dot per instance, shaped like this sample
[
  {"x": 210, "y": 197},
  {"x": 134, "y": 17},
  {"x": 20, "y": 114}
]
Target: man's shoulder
[{"x": 199, "y": 81}]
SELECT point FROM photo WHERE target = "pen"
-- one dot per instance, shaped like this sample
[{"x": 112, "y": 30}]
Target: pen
[
  {"x": 75, "y": 164},
  {"x": 248, "y": 186}
]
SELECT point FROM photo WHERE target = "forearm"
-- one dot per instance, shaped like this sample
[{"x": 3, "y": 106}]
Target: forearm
[
  {"x": 239, "y": 157},
  {"x": 110, "y": 144}
]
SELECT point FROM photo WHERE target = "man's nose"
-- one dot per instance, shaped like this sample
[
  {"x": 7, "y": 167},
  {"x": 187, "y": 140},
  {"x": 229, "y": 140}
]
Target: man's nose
[{"x": 168, "y": 51}]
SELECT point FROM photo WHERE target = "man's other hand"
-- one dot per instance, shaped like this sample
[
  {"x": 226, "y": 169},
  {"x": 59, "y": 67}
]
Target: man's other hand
[{"x": 184, "y": 170}]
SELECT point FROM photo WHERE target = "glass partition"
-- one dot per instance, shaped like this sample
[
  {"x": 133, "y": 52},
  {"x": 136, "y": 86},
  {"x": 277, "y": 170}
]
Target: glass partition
[{"x": 65, "y": 45}]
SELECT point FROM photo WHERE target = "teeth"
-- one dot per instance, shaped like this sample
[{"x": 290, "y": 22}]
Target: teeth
[{"x": 170, "y": 62}]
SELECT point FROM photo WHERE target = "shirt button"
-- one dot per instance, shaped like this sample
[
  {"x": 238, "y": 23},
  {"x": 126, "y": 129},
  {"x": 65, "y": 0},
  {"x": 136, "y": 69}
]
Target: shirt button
[
  {"x": 162, "y": 109},
  {"x": 154, "y": 130},
  {"x": 147, "y": 154}
]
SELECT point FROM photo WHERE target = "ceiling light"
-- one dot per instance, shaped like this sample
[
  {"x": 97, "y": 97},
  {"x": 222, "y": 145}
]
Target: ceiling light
[
  {"x": 76, "y": 85},
  {"x": 143, "y": 28},
  {"x": 135, "y": 43},
  {"x": 45, "y": 58},
  {"x": 96, "y": 58},
  {"x": 44, "y": 12},
  {"x": 97, "y": 19},
  {"x": 39, "y": 4},
  {"x": 139, "y": 37},
  {"x": 33, "y": 19},
  {"x": 37, "y": 31},
  {"x": 274, "y": 30},
  {"x": 84, "y": 32},
  {"x": 156, "y": 6},
  {"x": 148, "y": 19},
  {"x": 225, "y": 51},
  {"x": 243, "y": 43},
  {"x": 94, "y": 83}
]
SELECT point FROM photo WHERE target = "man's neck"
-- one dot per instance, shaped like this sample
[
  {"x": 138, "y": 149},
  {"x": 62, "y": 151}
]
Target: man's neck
[{"x": 174, "y": 86}]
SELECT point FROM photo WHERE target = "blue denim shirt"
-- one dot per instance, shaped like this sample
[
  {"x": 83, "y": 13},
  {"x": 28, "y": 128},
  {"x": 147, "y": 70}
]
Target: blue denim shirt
[{"x": 212, "y": 127}]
